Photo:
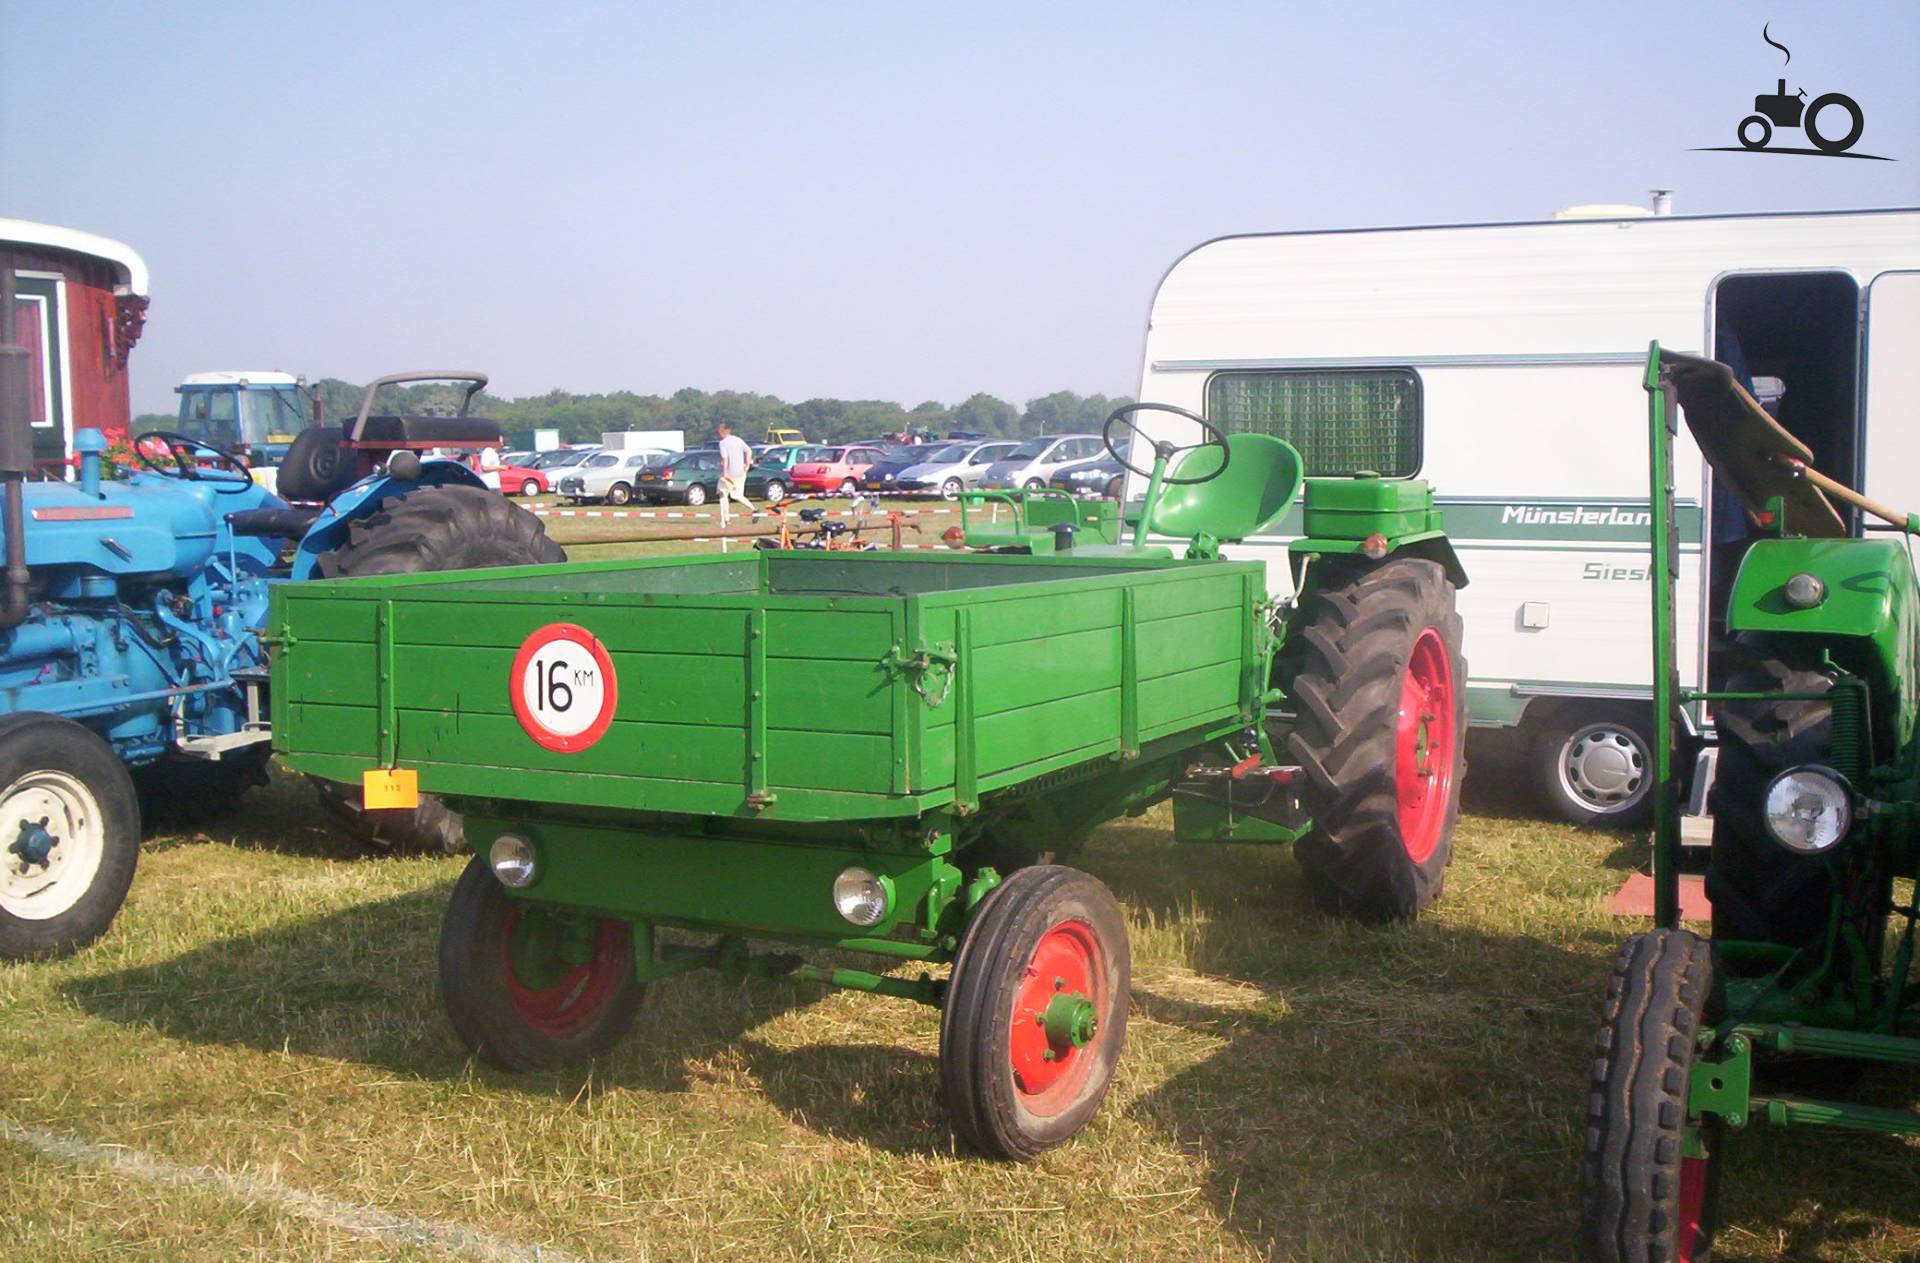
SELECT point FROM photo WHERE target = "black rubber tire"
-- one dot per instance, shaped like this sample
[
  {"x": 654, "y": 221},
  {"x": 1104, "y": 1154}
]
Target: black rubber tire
[
  {"x": 1761, "y": 892},
  {"x": 1116, "y": 487},
  {"x": 431, "y": 529},
  {"x": 1766, "y": 132},
  {"x": 1629, "y": 722},
  {"x": 951, "y": 489},
  {"x": 1362, "y": 627},
  {"x": 619, "y": 493},
  {"x": 187, "y": 792},
  {"x": 1630, "y": 1169},
  {"x": 776, "y": 491},
  {"x": 977, "y": 1014},
  {"x": 474, "y": 983},
  {"x": 848, "y": 488},
  {"x": 696, "y": 496},
  {"x": 33, "y": 741},
  {"x": 1033, "y": 484}
]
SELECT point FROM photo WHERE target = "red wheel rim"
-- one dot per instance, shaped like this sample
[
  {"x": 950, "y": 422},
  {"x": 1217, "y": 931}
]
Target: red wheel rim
[
  {"x": 573, "y": 997},
  {"x": 1424, "y": 750},
  {"x": 1065, "y": 977},
  {"x": 1687, "y": 1237}
]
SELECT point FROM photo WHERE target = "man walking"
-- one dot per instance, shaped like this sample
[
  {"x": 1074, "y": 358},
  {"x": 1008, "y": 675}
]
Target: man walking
[{"x": 735, "y": 456}]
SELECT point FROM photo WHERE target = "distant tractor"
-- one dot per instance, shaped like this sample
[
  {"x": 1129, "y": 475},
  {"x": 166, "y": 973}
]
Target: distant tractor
[
  {"x": 1816, "y": 822},
  {"x": 133, "y": 672},
  {"x": 255, "y": 415}
]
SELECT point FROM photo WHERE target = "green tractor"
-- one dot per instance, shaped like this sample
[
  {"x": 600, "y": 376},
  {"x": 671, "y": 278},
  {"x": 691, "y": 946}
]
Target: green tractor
[
  {"x": 1816, "y": 819},
  {"x": 879, "y": 753}
]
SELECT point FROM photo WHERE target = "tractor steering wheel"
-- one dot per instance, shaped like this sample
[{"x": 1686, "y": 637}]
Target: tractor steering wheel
[
  {"x": 180, "y": 451},
  {"x": 1164, "y": 451}
]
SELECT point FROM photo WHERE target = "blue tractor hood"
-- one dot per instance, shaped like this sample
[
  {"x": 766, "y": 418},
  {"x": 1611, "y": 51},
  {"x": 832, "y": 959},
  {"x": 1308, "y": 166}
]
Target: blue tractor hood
[{"x": 146, "y": 526}]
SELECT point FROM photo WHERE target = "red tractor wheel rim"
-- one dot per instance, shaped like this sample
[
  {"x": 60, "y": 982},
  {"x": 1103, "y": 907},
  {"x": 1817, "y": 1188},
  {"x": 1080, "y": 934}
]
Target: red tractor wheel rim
[
  {"x": 1424, "y": 751},
  {"x": 579, "y": 994},
  {"x": 1067, "y": 972},
  {"x": 1693, "y": 1207}
]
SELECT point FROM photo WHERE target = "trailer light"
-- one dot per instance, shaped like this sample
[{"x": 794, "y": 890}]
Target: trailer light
[
  {"x": 861, "y": 897},
  {"x": 1805, "y": 591},
  {"x": 1808, "y": 809},
  {"x": 512, "y": 859},
  {"x": 1374, "y": 546}
]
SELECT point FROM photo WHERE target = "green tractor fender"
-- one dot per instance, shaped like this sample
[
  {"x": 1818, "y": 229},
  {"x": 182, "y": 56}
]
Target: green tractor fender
[
  {"x": 1375, "y": 518},
  {"x": 1861, "y": 605}
]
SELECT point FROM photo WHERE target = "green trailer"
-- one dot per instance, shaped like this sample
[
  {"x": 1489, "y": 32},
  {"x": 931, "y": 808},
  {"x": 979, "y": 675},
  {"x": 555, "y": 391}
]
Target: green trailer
[
  {"x": 1808, "y": 977},
  {"x": 879, "y": 753}
]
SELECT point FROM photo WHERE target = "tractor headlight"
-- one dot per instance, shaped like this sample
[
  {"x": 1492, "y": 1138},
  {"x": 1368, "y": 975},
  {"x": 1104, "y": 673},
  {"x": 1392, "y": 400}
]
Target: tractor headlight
[
  {"x": 512, "y": 860},
  {"x": 1805, "y": 591},
  {"x": 861, "y": 897},
  {"x": 1808, "y": 809}
]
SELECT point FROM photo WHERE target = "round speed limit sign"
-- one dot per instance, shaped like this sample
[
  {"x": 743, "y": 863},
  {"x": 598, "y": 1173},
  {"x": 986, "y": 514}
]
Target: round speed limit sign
[{"x": 563, "y": 687}]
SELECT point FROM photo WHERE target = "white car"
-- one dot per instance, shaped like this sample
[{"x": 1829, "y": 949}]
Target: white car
[
  {"x": 608, "y": 475},
  {"x": 1038, "y": 459}
]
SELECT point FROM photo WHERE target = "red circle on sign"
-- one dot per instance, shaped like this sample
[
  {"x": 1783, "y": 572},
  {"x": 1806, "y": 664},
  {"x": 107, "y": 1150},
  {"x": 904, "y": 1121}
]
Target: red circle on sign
[{"x": 578, "y": 637}]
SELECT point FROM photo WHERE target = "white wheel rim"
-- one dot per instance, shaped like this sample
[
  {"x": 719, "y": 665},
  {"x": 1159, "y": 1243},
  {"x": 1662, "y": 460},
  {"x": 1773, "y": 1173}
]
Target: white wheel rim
[
  {"x": 42, "y": 809},
  {"x": 1603, "y": 768}
]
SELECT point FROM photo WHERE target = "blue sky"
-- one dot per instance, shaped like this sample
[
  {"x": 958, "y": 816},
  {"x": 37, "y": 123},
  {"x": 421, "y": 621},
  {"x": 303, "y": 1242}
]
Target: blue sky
[{"x": 889, "y": 200}]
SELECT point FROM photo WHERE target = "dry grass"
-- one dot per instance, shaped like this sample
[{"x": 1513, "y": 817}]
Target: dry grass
[{"x": 1293, "y": 1088}]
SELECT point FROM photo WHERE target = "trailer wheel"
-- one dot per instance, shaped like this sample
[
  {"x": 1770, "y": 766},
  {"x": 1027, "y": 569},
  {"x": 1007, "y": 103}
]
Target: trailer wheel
[
  {"x": 189, "y": 792},
  {"x": 69, "y": 836},
  {"x": 522, "y": 988},
  {"x": 1594, "y": 765},
  {"x": 1762, "y": 893},
  {"x": 433, "y": 528},
  {"x": 1650, "y": 1182},
  {"x": 1380, "y": 689},
  {"x": 1035, "y": 1013}
]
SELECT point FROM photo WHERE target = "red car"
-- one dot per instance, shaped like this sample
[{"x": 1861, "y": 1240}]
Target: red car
[
  {"x": 518, "y": 480},
  {"x": 838, "y": 470}
]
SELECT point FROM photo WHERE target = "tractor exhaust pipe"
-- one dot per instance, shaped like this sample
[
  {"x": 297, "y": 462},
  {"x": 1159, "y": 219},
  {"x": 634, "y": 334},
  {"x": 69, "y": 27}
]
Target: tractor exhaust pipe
[{"x": 16, "y": 457}]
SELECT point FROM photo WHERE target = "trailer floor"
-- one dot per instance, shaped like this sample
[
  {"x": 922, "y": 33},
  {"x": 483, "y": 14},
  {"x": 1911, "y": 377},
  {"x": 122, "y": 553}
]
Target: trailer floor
[{"x": 253, "y": 1065}]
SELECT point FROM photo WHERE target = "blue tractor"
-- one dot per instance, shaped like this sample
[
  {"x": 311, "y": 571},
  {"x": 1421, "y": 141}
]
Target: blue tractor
[{"x": 131, "y": 623}]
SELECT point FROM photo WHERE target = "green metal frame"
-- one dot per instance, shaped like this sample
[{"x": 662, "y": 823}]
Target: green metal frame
[{"x": 1843, "y": 997}]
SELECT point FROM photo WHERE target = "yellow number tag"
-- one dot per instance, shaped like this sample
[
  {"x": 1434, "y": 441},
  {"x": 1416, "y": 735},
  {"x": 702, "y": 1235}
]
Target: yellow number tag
[{"x": 390, "y": 787}]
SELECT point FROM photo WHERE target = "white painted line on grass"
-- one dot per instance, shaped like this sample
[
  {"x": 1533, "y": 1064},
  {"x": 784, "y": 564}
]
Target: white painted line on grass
[{"x": 361, "y": 1221}]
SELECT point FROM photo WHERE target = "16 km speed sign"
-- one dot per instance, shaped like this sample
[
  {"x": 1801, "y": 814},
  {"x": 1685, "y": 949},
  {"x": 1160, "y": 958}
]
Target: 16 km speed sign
[{"x": 563, "y": 687}]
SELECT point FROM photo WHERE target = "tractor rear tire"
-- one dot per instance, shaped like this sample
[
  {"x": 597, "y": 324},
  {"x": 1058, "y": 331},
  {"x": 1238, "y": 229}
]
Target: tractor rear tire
[
  {"x": 1642, "y": 1198},
  {"x": 432, "y": 529},
  {"x": 61, "y": 784},
  {"x": 1380, "y": 688},
  {"x": 1013, "y": 1085},
  {"x": 1761, "y": 892},
  {"x": 511, "y": 988}
]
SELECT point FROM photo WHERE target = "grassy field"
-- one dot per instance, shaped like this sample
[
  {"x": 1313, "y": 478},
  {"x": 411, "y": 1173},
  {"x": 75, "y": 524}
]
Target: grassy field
[{"x": 263, "y": 1017}]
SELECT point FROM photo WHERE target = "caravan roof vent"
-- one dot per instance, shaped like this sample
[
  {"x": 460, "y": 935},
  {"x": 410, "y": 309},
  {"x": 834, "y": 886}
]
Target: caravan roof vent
[{"x": 1603, "y": 210}]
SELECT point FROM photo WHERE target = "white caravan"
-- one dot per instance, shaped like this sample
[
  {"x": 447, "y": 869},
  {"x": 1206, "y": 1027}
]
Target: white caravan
[{"x": 1502, "y": 363}]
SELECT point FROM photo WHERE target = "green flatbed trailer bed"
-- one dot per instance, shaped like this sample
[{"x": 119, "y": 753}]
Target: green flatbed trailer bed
[{"x": 773, "y": 687}]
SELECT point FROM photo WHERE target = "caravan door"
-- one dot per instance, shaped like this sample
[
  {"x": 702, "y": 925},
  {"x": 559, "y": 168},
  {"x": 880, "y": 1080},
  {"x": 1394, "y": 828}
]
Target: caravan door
[{"x": 1892, "y": 391}]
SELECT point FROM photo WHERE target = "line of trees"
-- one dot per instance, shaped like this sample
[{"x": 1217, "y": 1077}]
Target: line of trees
[{"x": 584, "y": 418}]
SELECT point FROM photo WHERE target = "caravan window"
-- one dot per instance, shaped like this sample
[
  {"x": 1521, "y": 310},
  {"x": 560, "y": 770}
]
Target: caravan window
[{"x": 1342, "y": 421}]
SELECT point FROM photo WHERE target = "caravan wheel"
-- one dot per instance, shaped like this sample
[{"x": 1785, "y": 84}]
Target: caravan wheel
[{"x": 1594, "y": 765}]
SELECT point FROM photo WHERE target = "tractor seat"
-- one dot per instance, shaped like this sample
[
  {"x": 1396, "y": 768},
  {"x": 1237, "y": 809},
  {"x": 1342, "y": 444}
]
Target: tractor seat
[
  {"x": 272, "y": 523},
  {"x": 430, "y": 431}
]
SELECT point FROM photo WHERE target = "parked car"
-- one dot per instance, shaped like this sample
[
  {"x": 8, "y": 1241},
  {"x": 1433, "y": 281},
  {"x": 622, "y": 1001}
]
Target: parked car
[
  {"x": 769, "y": 477},
  {"x": 1029, "y": 465},
  {"x": 690, "y": 477},
  {"x": 561, "y": 458},
  {"x": 516, "y": 457},
  {"x": 951, "y": 468},
  {"x": 785, "y": 438},
  {"x": 884, "y": 475},
  {"x": 518, "y": 479},
  {"x": 608, "y": 476},
  {"x": 1101, "y": 476},
  {"x": 838, "y": 469}
]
